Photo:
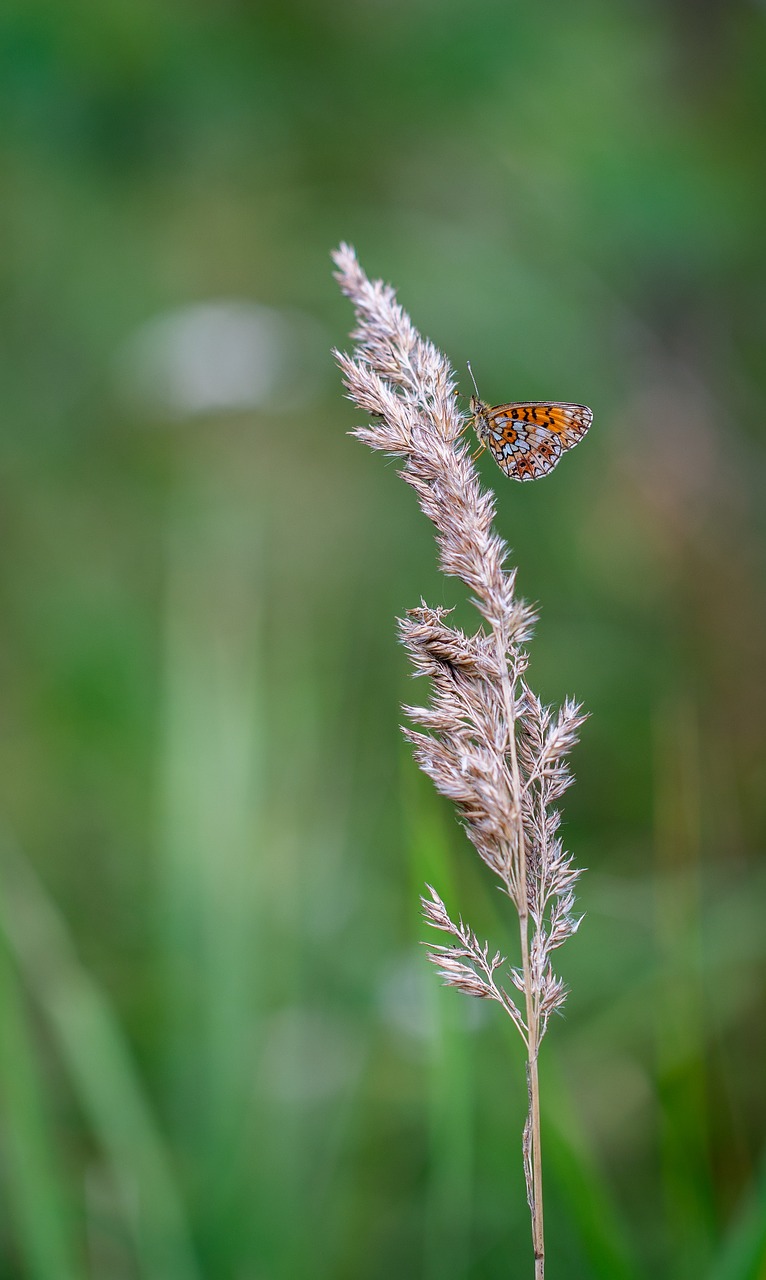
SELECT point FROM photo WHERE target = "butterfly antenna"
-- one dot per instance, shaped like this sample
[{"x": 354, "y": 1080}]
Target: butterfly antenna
[{"x": 473, "y": 380}]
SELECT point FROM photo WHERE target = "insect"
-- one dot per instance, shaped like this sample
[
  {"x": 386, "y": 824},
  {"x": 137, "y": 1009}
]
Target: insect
[{"x": 528, "y": 437}]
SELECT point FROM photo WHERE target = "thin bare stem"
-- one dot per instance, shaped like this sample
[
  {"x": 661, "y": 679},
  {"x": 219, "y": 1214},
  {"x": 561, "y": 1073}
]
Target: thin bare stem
[{"x": 535, "y": 1192}]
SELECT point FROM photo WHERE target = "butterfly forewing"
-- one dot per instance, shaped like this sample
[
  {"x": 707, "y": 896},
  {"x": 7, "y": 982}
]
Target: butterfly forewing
[{"x": 528, "y": 438}]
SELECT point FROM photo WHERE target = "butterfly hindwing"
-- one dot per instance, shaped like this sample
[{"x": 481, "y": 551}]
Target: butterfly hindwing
[{"x": 521, "y": 449}]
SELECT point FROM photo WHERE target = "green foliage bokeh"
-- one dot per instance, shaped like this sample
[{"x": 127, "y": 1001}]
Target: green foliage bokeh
[{"x": 221, "y": 1051}]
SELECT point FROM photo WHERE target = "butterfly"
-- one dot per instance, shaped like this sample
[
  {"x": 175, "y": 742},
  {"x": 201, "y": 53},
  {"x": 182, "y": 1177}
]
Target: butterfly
[{"x": 528, "y": 437}]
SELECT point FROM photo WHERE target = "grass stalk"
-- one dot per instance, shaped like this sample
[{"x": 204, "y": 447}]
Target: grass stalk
[{"x": 489, "y": 744}]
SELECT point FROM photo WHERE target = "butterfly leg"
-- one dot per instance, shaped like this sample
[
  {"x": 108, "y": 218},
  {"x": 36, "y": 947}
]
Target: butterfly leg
[{"x": 479, "y": 451}]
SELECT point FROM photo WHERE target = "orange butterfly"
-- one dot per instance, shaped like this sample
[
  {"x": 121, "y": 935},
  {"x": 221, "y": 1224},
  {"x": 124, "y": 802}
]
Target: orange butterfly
[{"x": 528, "y": 437}]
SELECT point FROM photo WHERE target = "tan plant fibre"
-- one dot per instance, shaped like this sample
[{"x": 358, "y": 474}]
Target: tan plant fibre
[{"x": 485, "y": 739}]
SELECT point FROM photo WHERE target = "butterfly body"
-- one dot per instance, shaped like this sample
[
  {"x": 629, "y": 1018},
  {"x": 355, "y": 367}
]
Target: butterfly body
[{"x": 527, "y": 438}]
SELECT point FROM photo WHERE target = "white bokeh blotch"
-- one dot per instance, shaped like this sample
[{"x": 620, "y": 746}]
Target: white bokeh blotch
[{"x": 220, "y": 356}]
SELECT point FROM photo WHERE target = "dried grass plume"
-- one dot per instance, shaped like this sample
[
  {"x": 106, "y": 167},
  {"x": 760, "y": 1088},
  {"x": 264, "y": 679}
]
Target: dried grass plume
[{"x": 484, "y": 738}]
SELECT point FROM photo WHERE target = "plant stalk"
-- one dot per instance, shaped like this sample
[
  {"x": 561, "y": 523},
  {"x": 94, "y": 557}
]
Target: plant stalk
[{"x": 532, "y": 1040}]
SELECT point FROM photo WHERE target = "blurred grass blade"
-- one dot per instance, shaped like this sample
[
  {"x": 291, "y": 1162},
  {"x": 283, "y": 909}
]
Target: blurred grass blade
[
  {"x": 35, "y": 1185},
  {"x": 743, "y": 1255},
  {"x": 211, "y": 859},
  {"x": 588, "y": 1201},
  {"x": 86, "y": 1033},
  {"x": 681, "y": 1010}
]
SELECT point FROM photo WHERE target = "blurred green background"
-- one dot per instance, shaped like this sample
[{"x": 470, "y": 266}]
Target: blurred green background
[{"x": 222, "y": 1053}]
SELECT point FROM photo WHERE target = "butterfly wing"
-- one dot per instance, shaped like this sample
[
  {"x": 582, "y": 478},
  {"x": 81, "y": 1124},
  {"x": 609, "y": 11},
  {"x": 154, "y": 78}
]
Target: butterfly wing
[{"x": 528, "y": 438}]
